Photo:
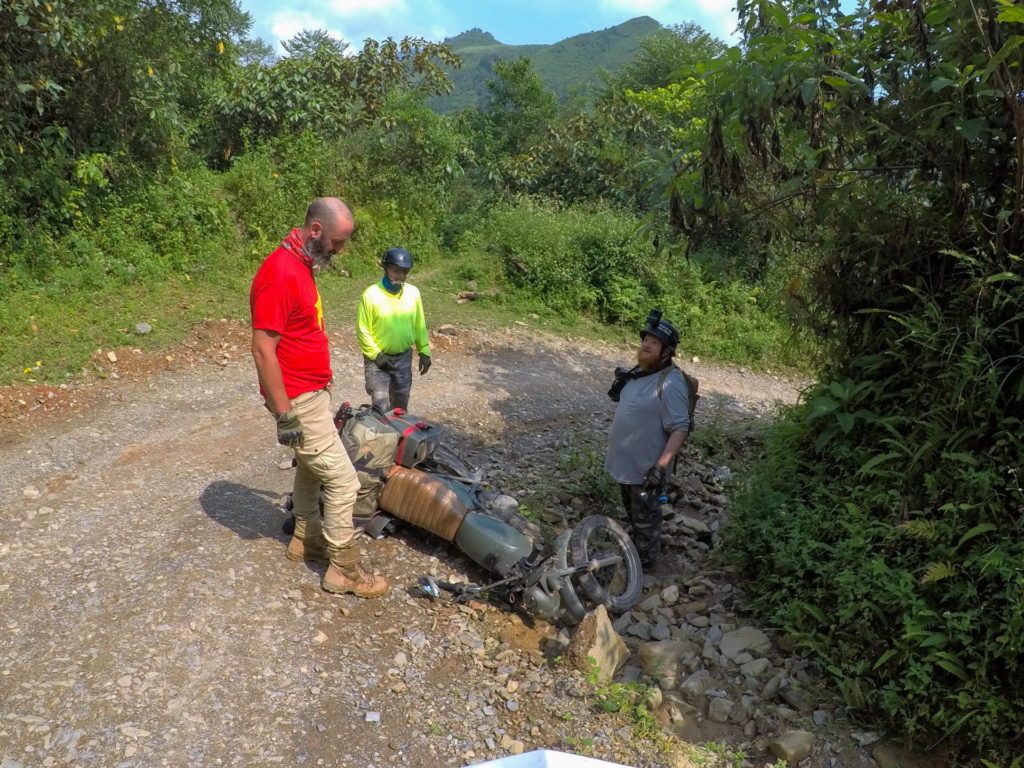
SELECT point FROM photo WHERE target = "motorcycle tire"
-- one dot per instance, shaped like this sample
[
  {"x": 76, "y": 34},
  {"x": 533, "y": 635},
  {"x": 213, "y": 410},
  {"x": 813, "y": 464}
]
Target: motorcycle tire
[
  {"x": 618, "y": 587},
  {"x": 288, "y": 524}
]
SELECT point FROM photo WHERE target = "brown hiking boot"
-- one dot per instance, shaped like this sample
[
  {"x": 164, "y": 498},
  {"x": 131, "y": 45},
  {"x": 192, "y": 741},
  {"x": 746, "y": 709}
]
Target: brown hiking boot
[
  {"x": 354, "y": 579},
  {"x": 308, "y": 542},
  {"x": 311, "y": 552}
]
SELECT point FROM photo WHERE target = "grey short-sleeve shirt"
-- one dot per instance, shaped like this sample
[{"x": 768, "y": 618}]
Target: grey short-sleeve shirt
[{"x": 643, "y": 421}]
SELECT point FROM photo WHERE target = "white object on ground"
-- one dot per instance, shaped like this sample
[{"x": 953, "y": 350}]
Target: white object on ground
[{"x": 546, "y": 758}]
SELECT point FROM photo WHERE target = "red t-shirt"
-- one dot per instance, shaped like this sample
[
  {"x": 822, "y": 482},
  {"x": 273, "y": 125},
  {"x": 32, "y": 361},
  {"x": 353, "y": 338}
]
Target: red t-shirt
[{"x": 283, "y": 298}]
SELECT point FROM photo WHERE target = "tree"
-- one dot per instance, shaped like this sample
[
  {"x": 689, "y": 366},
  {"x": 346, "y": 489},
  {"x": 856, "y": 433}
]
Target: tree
[
  {"x": 118, "y": 81},
  {"x": 309, "y": 42},
  {"x": 320, "y": 89},
  {"x": 663, "y": 59},
  {"x": 255, "y": 51},
  {"x": 607, "y": 154},
  {"x": 519, "y": 107},
  {"x": 663, "y": 82}
]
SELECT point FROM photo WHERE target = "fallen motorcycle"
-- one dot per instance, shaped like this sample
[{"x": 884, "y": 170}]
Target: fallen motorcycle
[{"x": 416, "y": 479}]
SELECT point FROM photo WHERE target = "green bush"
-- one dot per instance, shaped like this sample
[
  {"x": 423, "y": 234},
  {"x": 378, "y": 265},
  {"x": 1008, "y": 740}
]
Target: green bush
[
  {"x": 65, "y": 294},
  {"x": 174, "y": 224},
  {"x": 883, "y": 530},
  {"x": 597, "y": 260},
  {"x": 263, "y": 201},
  {"x": 393, "y": 175},
  {"x": 576, "y": 259}
]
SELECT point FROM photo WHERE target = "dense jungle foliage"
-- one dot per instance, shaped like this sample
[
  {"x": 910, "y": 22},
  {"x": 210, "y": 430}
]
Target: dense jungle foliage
[
  {"x": 841, "y": 188},
  {"x": 883, "y": 529}
]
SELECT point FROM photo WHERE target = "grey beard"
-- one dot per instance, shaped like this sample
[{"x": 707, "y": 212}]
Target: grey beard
[{"x": 318, "y": 255}]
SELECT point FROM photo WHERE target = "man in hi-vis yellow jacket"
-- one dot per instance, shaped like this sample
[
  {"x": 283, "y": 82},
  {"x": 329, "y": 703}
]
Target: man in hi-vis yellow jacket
[{"x": 389, "y": 323}]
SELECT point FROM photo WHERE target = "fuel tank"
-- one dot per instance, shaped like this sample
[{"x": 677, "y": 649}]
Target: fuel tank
[{"x": 493, "y": 544}]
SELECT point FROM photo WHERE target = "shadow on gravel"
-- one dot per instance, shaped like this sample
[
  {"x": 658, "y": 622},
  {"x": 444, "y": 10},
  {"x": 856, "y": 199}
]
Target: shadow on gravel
[
  {"x": 249, "y": 512},
  {"x": 542, "y": 385}
]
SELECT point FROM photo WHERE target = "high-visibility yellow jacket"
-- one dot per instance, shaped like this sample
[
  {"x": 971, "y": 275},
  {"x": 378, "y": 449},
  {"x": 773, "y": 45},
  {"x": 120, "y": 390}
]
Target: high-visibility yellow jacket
[{"x": 391, "y": 323}]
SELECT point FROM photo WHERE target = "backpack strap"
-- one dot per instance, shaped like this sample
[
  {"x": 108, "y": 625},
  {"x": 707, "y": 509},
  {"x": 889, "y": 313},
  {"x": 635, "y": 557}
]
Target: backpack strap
[
  {"x": 664, "y": 375},
  {"x": 691, "y": 389}
]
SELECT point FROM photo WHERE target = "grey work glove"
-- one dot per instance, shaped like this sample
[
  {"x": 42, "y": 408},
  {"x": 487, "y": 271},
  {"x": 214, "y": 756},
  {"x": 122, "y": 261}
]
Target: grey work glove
[
  {"x": 289, "y": 429},
  {"x": 424, "y": 364},
  {"x": 384, "y": 362}
]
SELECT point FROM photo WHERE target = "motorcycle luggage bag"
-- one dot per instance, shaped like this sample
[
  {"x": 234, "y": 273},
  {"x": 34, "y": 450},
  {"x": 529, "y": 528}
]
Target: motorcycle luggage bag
[
  {"x": 369, "y": 443},
  {"x": 417, "y": 438},
  {"x": 424, "y": 501}
]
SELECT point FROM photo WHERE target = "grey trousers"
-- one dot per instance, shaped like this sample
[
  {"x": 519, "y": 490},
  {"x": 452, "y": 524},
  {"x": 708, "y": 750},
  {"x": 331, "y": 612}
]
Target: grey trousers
[{"x": 389, "y": 389}]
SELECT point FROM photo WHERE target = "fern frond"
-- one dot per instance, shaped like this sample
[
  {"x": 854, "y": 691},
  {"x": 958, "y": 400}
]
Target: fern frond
[
  {"x": 937, "y": 572},
  {"x": 922, "y": 529}
]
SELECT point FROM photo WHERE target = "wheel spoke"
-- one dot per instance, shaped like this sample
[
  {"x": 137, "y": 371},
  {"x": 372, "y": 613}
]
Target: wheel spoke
[{"x": 617, "y": 586}]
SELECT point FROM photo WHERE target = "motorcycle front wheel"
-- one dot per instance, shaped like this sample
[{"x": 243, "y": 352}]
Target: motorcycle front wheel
[{"x": 617, "y": 586}]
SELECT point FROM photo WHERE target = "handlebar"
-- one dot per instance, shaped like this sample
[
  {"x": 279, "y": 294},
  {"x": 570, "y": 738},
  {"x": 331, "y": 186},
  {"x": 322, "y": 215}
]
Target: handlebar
[{"x": 462, "y": 590}]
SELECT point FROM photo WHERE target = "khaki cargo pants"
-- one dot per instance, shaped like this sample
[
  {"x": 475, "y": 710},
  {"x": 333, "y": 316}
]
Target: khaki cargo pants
[{"x": 321, "y": 461}]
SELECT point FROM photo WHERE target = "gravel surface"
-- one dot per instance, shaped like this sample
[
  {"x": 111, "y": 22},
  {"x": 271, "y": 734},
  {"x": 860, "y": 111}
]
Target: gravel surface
[{"x": 150, "y": 617}]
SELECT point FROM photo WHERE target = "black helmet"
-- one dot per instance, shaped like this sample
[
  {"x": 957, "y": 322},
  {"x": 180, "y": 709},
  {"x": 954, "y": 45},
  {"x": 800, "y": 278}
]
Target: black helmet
[
  {"x": 397, "y": 256},
  {"x": 662, "y": 330}
]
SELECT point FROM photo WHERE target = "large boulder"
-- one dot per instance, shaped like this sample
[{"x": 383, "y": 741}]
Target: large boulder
[
  {"x": 661, "y": 659},
  {"x": 792, "y": 746},
  {"x": 595, "y": 639}
]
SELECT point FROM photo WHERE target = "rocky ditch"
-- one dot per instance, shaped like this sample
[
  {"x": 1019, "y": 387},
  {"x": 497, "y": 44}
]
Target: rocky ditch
[{"x": 707, "y": 673}]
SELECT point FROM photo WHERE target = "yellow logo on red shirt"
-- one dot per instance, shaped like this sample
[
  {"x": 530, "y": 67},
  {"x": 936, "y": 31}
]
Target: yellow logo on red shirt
[{"x": 319, "y": 309}]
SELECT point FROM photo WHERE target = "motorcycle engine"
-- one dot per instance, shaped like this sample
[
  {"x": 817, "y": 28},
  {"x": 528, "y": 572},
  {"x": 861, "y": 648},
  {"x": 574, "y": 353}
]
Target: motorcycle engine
[{"x": 540, "y": 603}]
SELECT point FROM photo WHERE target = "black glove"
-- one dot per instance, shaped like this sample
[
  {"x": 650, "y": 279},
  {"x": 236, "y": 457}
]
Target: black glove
[
  {"x": 622, "y": 375},
  {"x": 424, "y": 364},
  {"x": 385, "y": 362},
  {"x": 289, "y": 429},
  {"x": 654, "y": 480}
]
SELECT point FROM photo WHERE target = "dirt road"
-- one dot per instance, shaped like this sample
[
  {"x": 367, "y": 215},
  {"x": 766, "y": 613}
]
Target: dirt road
[{"x": 151, "y": 619}]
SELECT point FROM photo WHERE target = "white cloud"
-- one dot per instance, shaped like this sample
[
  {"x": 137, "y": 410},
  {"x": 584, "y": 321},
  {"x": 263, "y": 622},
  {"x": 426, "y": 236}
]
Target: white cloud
[
  {"x": 435, "y": 33},
  {"x": 287, "y": 24},
  {"x": 349, "y": 20},
  {"x": 439, "y": 22},
  {"x": 718, "y": 7},
  {"x": 637, "y": 7},
  {"x": 284, "y": 25},
  {"x": 723, "y": 15},
  {"x": 368, "y": 7}
]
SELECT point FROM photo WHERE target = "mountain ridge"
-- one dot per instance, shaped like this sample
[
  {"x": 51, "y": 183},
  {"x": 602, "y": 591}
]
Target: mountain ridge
[{"x": 562, "y": 66}]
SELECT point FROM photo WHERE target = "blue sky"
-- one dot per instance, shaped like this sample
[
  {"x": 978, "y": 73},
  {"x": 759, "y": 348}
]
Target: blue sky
[{"x": 515, "y": 22}]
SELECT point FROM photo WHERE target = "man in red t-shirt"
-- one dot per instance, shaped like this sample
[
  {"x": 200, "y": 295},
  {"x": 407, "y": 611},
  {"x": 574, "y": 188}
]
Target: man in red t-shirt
[{"x": 293, "y": 362}]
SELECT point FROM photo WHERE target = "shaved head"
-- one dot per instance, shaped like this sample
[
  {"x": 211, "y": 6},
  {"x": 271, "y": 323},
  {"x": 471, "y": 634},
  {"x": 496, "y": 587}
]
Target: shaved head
[
  {"x": 329, "y": 211},
  {"x": 328, "y": 226}
]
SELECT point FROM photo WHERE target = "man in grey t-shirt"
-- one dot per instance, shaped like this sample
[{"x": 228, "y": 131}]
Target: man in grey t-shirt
[{"x": 651, "y": 424}]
